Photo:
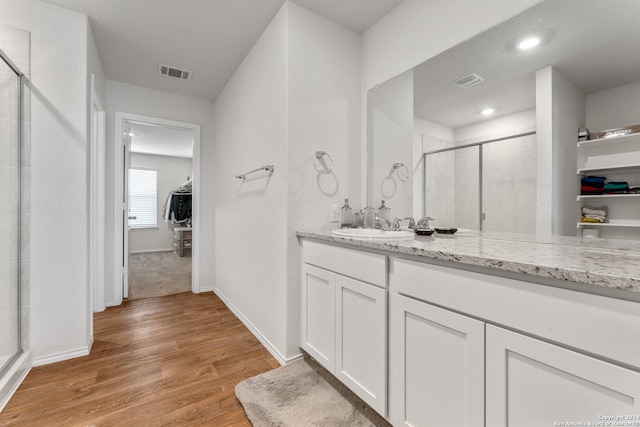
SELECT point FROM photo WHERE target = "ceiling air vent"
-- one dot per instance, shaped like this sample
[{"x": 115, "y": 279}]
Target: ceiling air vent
[
  {"x": 468, "y": 81},
  {"x": 168, "y": 71}
]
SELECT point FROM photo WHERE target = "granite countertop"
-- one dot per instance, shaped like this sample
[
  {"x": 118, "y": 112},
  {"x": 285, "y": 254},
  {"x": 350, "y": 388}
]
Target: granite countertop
[{"x": 606, "y": 263}]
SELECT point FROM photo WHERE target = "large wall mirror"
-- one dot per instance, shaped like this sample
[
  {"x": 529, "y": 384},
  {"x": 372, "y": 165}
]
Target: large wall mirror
[{"x": 488, "y": 130}]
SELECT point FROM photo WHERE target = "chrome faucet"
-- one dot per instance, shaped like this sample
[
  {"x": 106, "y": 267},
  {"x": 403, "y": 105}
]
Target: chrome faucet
[
  {"x": 382, "y": 223},
  {"x": 424, "y": 222},
  {"x": 396, "y": 223}
]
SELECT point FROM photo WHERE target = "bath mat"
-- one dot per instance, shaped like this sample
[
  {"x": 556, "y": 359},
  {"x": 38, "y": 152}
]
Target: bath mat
[{"x": 303, "y": 394}]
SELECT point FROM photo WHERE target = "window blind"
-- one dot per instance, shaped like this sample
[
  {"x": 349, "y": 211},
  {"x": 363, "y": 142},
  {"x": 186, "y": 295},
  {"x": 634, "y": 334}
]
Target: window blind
[{"x": 143, "y": 198}]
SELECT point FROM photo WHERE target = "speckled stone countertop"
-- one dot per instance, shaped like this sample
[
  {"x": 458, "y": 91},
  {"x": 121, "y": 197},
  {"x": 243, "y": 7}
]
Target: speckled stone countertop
[{"x": 612, "y": 264}]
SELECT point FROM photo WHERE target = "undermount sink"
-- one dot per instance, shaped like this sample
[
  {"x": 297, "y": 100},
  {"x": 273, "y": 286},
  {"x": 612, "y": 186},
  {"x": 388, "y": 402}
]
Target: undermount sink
[{"x": 374, "y": 234}]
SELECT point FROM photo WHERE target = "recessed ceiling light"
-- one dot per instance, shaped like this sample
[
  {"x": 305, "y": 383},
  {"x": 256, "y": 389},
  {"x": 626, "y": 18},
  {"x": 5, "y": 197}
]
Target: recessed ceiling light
[
  {"x": 529, "y": 43},
  {"x": 488, "y": 111}
]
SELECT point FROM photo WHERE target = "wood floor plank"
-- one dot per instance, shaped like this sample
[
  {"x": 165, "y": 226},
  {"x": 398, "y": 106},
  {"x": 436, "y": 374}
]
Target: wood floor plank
[{"x": 172, "y": 360}]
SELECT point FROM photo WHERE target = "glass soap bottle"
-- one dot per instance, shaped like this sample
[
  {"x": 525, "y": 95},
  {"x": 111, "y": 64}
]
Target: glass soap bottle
[
  {"x": 346, "y": 217},
  {"x": 358, "y": 219},
  {"x": 384, "y": 212},
  {"x": 369, "y": 217}
]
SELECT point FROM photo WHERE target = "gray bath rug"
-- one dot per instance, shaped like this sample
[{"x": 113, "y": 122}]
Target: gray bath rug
[{"x": 303, "y": 394}]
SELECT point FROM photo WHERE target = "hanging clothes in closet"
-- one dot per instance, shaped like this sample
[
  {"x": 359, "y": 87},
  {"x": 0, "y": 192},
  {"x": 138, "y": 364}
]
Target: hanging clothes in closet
[{"x": 177, "y": 208}]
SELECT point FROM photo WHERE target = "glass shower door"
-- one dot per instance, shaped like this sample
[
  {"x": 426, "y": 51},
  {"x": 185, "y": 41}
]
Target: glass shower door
[{"x": 9, "y": 215}]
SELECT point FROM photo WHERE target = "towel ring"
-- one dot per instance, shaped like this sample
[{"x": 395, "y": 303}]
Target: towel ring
[
  {"x": 397, "y": 166},
  {"x": 319, "y": 155}
]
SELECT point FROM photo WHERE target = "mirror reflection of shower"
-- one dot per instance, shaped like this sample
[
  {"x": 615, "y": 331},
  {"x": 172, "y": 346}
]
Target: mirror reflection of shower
[{"x": 486, "y": 181}]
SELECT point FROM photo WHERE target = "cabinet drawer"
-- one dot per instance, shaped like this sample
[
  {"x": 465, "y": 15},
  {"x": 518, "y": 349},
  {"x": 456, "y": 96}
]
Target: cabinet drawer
[
  {"x": 595, "y": 324},
  {"x": 365, "y": 266}
]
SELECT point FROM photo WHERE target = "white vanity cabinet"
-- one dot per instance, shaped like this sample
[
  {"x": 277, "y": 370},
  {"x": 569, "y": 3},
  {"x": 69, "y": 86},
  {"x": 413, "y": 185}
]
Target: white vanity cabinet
[
  {"x": 473, "y": 349},
  {"x": 344, "y": 316},
  {"x": 436, "y": 366},
  {"x": 534, "y": 383}
]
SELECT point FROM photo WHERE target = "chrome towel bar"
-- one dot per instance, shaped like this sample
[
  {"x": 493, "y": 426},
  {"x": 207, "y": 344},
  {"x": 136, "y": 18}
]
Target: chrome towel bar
[{"x": 268, "y": 168}]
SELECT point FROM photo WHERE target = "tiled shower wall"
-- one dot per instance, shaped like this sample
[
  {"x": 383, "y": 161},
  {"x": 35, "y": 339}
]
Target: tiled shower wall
[{"x": 14, "y": 164}]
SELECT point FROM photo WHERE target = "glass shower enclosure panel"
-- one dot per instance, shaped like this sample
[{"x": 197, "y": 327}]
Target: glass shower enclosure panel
[
  {"x": 452, "y": 184},
  {"x": 509, "y": 185},
  {"x": 9, "y": 214}
]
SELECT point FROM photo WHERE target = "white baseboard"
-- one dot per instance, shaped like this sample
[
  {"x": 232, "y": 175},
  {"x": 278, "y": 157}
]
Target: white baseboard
[
  {"x": 255, "y": 331},
  {"x": 65, "y": 355},
  {"x": 13, "y": 378}
]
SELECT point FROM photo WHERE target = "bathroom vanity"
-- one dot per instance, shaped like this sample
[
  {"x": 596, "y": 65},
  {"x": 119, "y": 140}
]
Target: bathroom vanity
[{"x": 477, "y": 329}]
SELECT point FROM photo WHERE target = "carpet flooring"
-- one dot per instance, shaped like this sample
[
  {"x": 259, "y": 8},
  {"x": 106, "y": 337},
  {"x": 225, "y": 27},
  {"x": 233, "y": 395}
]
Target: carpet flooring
[
  {"x": 154, "y": 274},
  {"x": 300, "y": 394}
]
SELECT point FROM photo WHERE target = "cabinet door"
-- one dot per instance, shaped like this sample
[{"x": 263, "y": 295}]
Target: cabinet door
[
  {"x": 361, "y": 353},
  {"x": 318, "y": 315},
  {"x": 437, "y": 366},
  {"x": 533, "y": 383}
]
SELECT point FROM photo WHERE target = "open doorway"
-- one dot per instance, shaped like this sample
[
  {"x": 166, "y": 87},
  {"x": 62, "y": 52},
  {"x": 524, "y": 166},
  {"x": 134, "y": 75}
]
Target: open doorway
[
  {"x": 124, "y": 135},
  {"x": 160, "y": 220}
]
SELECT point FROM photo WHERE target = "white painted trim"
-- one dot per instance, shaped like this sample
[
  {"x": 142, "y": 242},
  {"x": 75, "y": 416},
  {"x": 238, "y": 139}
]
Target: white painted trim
[
  {"x": 97, "y": 200},
  {"x": 120, "y": 117},
  {"x": 265, "y": 342},
  {"x": 62, "y": 356},
  {"x": 13, "y": 378}
]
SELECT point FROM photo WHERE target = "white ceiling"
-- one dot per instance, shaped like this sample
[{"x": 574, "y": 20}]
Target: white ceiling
[
  {"x": 161, "y": 140},
  {"x": 589, "y": 41},
  {"x": 207, "y": 37}
]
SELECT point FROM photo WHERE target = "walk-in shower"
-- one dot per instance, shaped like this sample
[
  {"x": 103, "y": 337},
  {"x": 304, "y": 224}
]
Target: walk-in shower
[{"x": 11, "y": 120}]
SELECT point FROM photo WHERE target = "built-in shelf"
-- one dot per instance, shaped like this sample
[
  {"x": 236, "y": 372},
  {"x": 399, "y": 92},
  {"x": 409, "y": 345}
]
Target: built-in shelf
[
  {"x": 602, "y": 141},
  {"x": 607, "y": 196},
  {"x": 612, "y": 224},
  {"x": 616, "y": 169}
]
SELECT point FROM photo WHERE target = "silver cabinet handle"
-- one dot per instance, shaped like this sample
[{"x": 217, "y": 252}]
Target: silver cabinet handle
[{"x": 132, "y": 217}]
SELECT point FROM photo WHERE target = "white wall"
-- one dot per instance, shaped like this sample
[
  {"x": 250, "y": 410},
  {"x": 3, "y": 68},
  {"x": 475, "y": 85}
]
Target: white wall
[
  {"x": 172, "y": 172},
  {"x": 137, "y": 100},
  {"x": 249, "y": 262},
  {"x": 560, "y": 110},
  {"x": 613, "y": 108},
  {"x": 300, "y": 86},
  {"x": 57, "y": 240},
  {"x": 511, "y": 124},
  {"x": 323, "y": 114}
]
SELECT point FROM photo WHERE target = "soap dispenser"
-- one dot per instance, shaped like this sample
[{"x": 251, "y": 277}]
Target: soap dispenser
[
  {"x": 384, "y": 212},
  {"x": 346, "y": 217}
]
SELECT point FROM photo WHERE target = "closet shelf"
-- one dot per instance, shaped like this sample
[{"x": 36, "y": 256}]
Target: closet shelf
[
  {"x": 613, "y": 168},
  {"x": 611, "y": 224},
  {"x": 630, "y": 137},
  {"x": 607, "y": 196}
]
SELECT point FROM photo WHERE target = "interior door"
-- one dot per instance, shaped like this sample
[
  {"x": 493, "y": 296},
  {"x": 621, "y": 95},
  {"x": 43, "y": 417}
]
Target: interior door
[{"x": 126, "y": 145}]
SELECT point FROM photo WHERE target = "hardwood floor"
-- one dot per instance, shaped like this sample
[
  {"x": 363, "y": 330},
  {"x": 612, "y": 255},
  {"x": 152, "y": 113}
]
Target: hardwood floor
[{"x": 172, "y": 360}]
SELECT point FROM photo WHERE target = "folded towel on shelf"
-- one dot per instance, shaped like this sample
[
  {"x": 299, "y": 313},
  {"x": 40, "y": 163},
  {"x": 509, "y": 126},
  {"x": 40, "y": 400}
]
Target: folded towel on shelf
[
  {"x": 616, "y": 187},
  {"x": 593, "y": 219},
  {"x": 601, "y": 211},
  {"x": 634, "y": 189},
  {"x": 594, "y": 215},
  {"x": 589, "y": 190},
  {"x": 596, "y": 181}
]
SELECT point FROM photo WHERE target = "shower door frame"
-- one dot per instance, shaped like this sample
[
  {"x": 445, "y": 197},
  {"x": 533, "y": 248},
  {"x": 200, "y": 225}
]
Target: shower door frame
[
  {"x": 480, "y": 170},
  {"x": 20, "y": 79}
]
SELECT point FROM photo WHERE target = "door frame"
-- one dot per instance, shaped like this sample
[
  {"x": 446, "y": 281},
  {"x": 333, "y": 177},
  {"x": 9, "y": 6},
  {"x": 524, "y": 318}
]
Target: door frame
[
  {"x": 120, "y": 118},
  {"x": 97, "y": 199}
]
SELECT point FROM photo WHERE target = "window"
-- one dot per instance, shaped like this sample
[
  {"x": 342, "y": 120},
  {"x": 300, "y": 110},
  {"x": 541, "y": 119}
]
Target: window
[{"x": 143, "y": 199}]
